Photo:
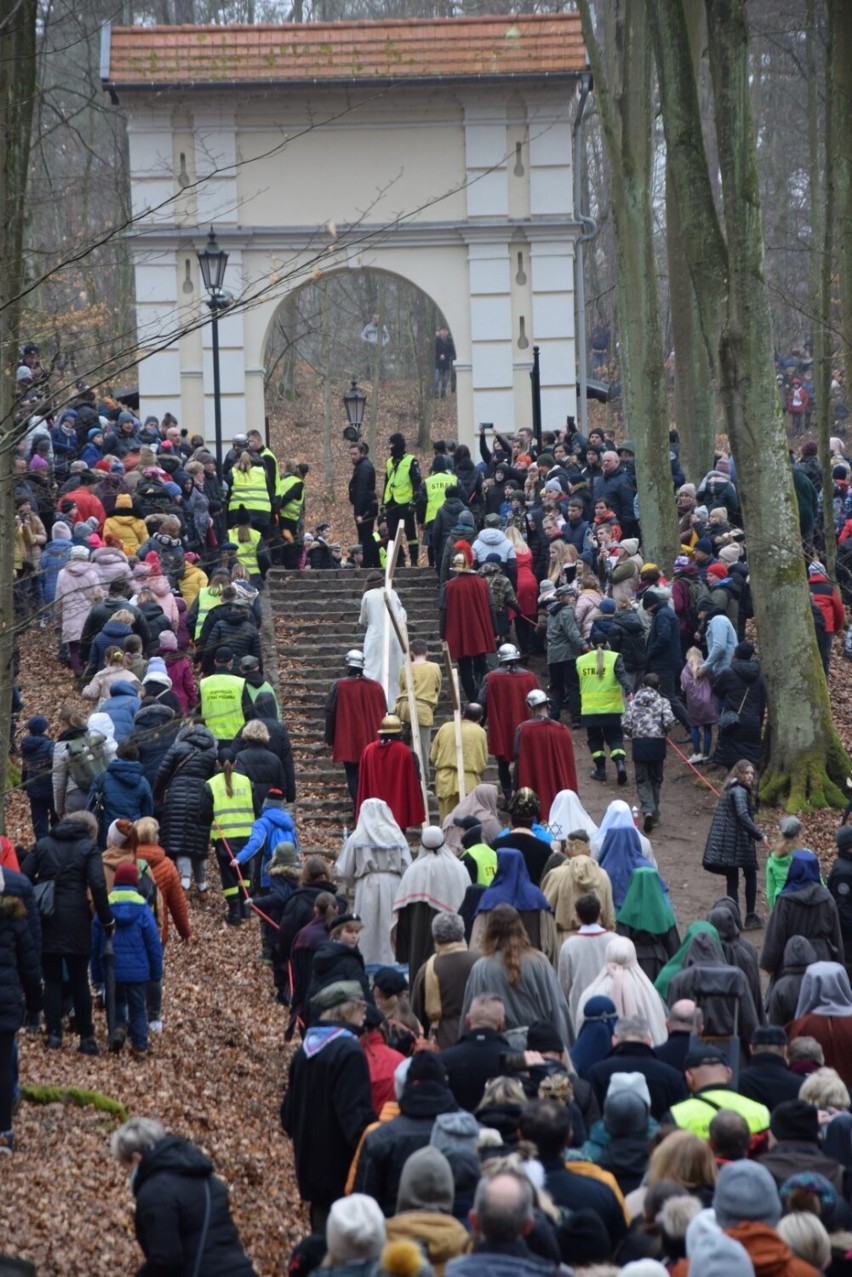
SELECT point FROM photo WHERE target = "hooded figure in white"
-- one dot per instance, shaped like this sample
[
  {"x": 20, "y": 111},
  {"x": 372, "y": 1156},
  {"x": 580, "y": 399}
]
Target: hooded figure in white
[{"x": 373, "y": 859}]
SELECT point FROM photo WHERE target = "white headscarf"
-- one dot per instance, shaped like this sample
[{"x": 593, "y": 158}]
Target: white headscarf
[
  {"x": 567, "y": 815},
  {"x": 436, "y": 878},
  {"x": 623, "y": 980},
  {"x": 619, "y": 816},
  {"x": 376, "y": 830},
  {"x": 102, "y": 723},
  {"x": 825, "y": 990}
]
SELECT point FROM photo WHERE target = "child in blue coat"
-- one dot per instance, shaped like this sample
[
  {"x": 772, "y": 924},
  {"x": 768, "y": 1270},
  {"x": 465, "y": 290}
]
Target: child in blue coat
[
  {"x": 138, "y": 957},
  {"x": 37, "y": 774}
]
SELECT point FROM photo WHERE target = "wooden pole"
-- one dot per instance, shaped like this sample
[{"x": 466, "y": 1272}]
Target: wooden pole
[
  {"x": 390, "y": 568},
  {"x": 453, "y": 680},
  {"x": 402, "y": 634}
]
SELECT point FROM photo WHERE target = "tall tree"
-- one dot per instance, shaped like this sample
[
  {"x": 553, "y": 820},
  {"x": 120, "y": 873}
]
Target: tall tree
[
  {"x": 622, "y": 68},
  {"x": 840, "y": 23}
]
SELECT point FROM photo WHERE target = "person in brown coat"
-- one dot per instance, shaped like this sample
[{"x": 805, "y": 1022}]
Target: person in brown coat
[{"x": 438, "y": 992}]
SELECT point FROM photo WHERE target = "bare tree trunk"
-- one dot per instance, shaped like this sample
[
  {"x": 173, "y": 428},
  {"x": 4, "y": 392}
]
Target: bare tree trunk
[
  {"x": 623, "y": 91},
  {"x": 327, "y": 458},
  {"x": 806, "y": 762},
  {"x": 17, "y": 94},
  {"x": 821, "y": 217},
  {"x": 840, "y": 23}
]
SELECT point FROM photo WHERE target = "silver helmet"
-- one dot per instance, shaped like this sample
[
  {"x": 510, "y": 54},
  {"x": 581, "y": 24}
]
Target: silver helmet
[
  {"x": 355, "y": 658},
  {"x": 536, "y": 697},
  {"x": 507, "y": 652}
]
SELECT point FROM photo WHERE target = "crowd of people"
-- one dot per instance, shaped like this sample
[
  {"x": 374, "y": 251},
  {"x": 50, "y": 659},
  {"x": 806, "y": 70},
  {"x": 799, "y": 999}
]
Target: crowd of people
[{"x": 508, "y": 1053}]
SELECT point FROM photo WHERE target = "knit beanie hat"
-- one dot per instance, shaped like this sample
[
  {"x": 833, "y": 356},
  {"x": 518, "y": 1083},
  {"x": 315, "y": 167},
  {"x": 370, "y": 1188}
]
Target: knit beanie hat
[
  {"x": 745, "y": 1191},
  {"x": 718, "y": 570},
  {"x": 168, "y": 641},
  {"x": 704, "y": 545},
  {"x": 426, "y": 1183},
  {"x": 355, "y": 1228},
  {"x": 124, "y": 501},
  {"x": 636, "y": 1083},
  {"x": 795, "y": 1120},
  {"x": 717, "y": 1255},
  {"x": 37, "y": 725},
  {"x": 790, "y": 826},
  {"x": 731, "y": 553},
  {"x": 60, "y": 531},
  {"x": 79, "y": 552},
  {"x": 126, "y": 874}
]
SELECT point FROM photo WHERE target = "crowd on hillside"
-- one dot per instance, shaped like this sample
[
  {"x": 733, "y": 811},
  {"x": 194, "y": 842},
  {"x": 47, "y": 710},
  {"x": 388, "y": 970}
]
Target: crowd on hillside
[{"x": 509, "y": 1055}]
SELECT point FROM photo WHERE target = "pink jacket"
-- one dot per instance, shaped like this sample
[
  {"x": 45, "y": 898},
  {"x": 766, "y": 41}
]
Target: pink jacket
[{"x": 77, "y": 585}]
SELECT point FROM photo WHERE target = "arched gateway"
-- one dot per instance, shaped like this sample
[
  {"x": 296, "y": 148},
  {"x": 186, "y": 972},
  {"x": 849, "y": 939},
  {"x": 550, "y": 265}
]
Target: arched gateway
[{"x": 440, "y": 151}]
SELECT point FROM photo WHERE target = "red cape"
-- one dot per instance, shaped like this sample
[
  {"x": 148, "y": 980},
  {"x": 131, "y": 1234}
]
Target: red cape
[
  {"x": 506, "y": 707},
  {"x": 360, "y": 707},
  {"x": 469, "y": 629},
  {"x": 545, "y": 754},
  {"x": 388, "y": 771}
]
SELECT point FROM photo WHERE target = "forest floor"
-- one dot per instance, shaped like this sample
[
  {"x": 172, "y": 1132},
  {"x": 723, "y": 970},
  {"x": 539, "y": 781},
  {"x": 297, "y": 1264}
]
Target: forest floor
[{"x": 217, "y": 1073}]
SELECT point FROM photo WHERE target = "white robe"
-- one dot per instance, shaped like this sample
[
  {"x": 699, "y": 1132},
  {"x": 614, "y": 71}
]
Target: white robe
[
  {"x": 374, "y": 858},
  {"x": 581, "y": 960},
  {"x": 374, "y": 615}
]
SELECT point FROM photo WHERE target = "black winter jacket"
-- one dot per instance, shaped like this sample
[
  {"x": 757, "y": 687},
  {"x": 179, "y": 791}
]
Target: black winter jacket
[
  {"x": 297, "y": 914},
  {"x": 173, "y": 1185},
  {"x": 733, "y": 833},
  {"x": 362, "y": 490},
  {"x": 335, "y": 961},
  {"x": 810, "y": 913},
  {"x": 102, "y": 612},
  {"x": 37, "y": 769},
  {"x": 665, "y": 1084},
  {"x": 840, "y": 886},
  {"x": 233, "y": 628},
  {"x": 190, "y": 762},
  {"x": 20, "y": 965},
  {"x": 279, "y": 741},
  {"x": 445, "y": 519},
  {"x": 72, "y": 860},
  {"x": 157, "y": 622},
  {"x": 265, "y": 771},
  {"x": 664, "y": 651},
  {"x": 627, "y": 636},
  {"x": 386, "y": 1149},
  {"x": 155, "y": 730},
  {"x": 743, "y": 741}
]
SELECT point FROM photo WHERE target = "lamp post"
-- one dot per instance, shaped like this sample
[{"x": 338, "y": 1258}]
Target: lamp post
[
  {"x": 213, "y": 261},
  {"x": 354, "y": 401}
]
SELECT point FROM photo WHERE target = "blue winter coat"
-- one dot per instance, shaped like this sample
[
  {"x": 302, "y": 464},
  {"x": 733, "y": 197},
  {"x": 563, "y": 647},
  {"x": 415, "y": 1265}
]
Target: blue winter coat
[
  {"x": 272, "y": 826},
  {"x": 136, "y": 941},
  {"x": 664, "y": 651},
  {"x": 112, "y": 635},
  {"x": 54, "y": 556},
  {"x": 125, "y": 793},
  {"x": 36, "y": 773},
  {"x": 121, "y": 706}
]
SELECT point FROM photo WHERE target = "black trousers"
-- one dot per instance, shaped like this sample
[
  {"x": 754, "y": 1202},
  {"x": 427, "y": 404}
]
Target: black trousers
[
  {"x": 669, "y": 689},
  {"x": 397, "y": 514},
  {"x": 606, "y": 731},
  {"x": 352, "y": 770},
  {"x": 564, "y": 687},
  {"x": 7, "y": 1083},
  {"x": 504, "y": 771},
  {"x": 368, "y": 545},
  {"x": 77, "y": 966},
  {"x": 732, "y": 885},
  {"x": 472, "y": 670}
]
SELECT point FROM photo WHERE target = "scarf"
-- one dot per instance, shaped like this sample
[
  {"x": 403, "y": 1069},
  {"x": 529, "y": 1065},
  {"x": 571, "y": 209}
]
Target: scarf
[{"x": 647, "y": 906}]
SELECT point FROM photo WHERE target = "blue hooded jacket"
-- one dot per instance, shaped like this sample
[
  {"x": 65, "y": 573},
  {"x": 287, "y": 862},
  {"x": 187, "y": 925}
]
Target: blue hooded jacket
[
  {"x": 272, "y": 826},
  {"x": 125, "y": 792},
  {"x": 37, "y": 760},
  {"x": 121, "y": 706},
  {"x": 54, "y": 556},
  {"x": 136, "y": 940}
]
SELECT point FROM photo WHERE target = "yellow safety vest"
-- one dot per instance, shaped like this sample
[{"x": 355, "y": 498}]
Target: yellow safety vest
[
  {"x": 398, "y": 486},
  {"x": 383, "y": 554},
  {"x": 222, "y": 704},
  {"x": 292, "y": 509},
  {"x": 247, "y": 551},
  {"x": 248, "y": 488},
  {"x": 234, "y": 813},
  {"x": 267, "y": 452},
  {"x": 207, "y": 600},
  {"x": 485, "y": 859},
  {"x": 599, "y": 695},
  {"x": 436, "y": 489},
  {"x": 696, "y": 1114}
]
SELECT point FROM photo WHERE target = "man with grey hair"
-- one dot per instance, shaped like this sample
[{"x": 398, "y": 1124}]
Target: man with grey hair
[
  {"x": 632, "y": 1052},
  {"x": 438, "y": 992},
  {"x": 681, "y": 1024},
  {"x": 181, "y": 1206},
  {"x": 617, "y": 488},
  {"x": 501, "y": 1218},
  {"x": 480, "y": 1051},
  {"x": 328, "y": 1102}
]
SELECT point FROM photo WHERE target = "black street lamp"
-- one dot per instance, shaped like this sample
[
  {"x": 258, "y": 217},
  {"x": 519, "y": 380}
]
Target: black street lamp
[
  {"x": 354, "y": 401},
  {"x": 213, "y": 262}
]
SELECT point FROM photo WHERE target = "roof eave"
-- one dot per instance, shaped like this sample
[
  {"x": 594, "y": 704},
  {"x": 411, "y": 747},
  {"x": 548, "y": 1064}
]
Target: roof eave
[{"x": 349, "y": 81}]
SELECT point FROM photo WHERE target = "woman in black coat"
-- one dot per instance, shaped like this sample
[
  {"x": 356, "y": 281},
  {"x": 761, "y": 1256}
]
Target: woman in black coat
[
  {"x": 804, "y": 908},
  {"x": 20, "y": 976},
  {"x": 265, "y": 710},
  {"x": 183, "y": 1220},
  {"x": 339, "y": 957},
  {"x": 731, "y": 841},
  {"x": 741, "y": 689},
  {"x": 263, "y": 767},
  {"x": 178, "y": 791},
  {"x": 70, "y": 858}
]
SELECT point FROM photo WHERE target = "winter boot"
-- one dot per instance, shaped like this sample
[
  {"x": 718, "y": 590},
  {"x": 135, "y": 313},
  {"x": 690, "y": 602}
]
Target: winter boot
[
  {"x": 621, "y": 769},
  {"x": 599, "y": 772},
  {"x": 88, "y": 1046},
  {"x": 235, "y": 912}
]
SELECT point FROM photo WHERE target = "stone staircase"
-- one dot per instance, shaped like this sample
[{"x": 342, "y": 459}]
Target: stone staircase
[{"x": 315, "y": 622}]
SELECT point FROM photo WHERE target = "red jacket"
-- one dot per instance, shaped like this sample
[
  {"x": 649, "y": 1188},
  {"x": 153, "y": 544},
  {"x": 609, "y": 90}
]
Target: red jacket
[
  {"x": 382, "y": 1061},
  {"x": 87, "y": 505},
  {"x": 828, "y": 600}
]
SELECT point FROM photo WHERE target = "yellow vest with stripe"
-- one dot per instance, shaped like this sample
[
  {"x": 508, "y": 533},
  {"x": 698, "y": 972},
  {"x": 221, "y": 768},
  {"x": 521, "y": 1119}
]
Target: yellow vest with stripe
[
  {"x": 599, "y": 695},
  {"x": 398, "y": 486},
  {"x": 293, "y": 508},
  {"x": 485, "y": 859},
  {"x": 436, "y": 489},
  {"x": 233, "y": 813},
  {"x": 695, "y": 1114},
  {"x": 207, "y": 600},
  {"x": 247, "y": 551},
  {"x": 267, "y": 452},
  {"x": 222, "y": 704},
  {"x": 382, "y": 551},
  {"x": 248, "y": 488}
]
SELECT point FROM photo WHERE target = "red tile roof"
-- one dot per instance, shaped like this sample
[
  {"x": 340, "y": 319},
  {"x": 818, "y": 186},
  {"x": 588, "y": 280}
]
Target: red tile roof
[{"x": 532, "y": 46}]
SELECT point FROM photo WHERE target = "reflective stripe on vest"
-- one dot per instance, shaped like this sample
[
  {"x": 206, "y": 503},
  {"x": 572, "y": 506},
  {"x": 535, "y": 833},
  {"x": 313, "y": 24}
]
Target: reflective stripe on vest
[
  {"x": 383, "y": 554},
  {"x": 485, "y": 859},
  {"x": 599, "y": 695},
  {"x": 222, "y": 704},
  {"x": 291, "y": 510},
  {"x": 436, "y": 489},
  {"x": 247, "y": 550},
  {"x": 267, "y": 452},
  {"x": 234, "y": 813},
  {"x": 248, "y": 488},
  {"x": 207, "y": 600},
  {"x": 398, "y": 488}
]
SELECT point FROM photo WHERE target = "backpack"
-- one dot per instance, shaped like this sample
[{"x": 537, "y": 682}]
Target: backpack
[
  {"x": 86, "y": 758},
  {"x": 148, "y": 889}
]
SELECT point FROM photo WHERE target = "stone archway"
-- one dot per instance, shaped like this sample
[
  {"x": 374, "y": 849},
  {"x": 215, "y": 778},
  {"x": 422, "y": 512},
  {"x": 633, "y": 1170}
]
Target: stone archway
[{"x": 439, "y": 151}]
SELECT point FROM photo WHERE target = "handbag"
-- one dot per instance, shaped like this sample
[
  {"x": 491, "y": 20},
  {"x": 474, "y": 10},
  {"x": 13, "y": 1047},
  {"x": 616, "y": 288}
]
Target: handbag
[
  {"x": 45, "y": 897},
  {"x": 730, "y": 718}
]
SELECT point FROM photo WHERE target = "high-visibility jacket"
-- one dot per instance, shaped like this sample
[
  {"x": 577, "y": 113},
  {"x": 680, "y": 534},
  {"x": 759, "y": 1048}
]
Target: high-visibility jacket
[
  {"x": 248, "y": 488},
  {"x": 382, "y": 550},
  {"x": 399, "y": 489},
  {"x": 247, "y": 550},
  {"x": 291, "y": 509},
  {"x": 267, "y": 452},
  {"x": 436, "y": 489},
  {"x": 485, "y": 859},
  {"x": 222, "y": 704},
  {"x": 207, "y": 599},
  {"x": 233, "y": 817},
  {"x": 599, "y": 695},
  {"x": 251, "y": 691},
  {"x": 696, "y": 1113}
]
